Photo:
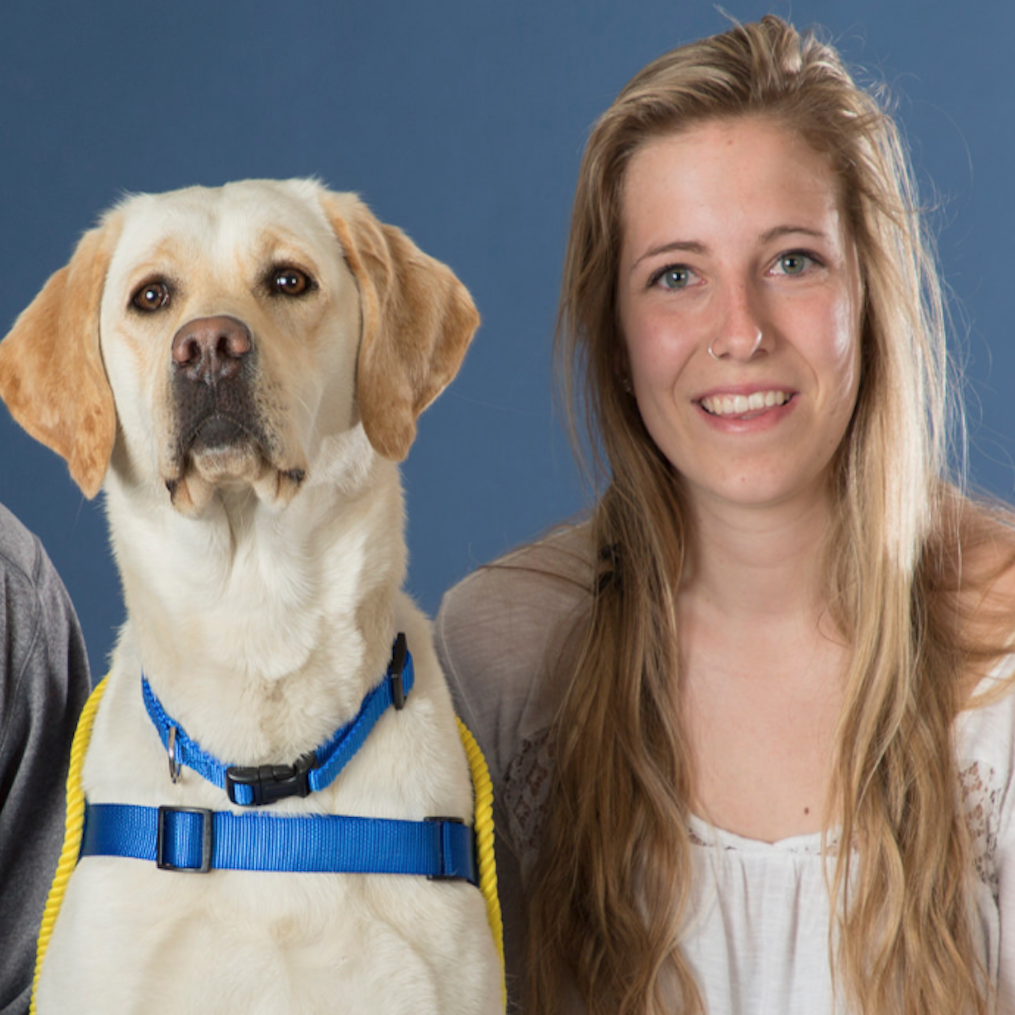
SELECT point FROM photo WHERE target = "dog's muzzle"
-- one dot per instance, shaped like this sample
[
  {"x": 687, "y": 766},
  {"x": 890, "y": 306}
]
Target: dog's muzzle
[
  {"x": 213, "y": 362},
  {"x": 220, "y": 433}
]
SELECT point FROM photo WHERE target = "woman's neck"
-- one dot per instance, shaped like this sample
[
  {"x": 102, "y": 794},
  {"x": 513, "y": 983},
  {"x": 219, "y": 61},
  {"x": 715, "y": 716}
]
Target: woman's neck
[
  {"x": 759, "y": 562},
  {"x": 762, "y": 665}
]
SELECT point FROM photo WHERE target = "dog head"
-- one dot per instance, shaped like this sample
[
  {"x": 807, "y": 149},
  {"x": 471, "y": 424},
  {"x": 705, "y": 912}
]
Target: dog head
[{"x": 220, "y": 335}]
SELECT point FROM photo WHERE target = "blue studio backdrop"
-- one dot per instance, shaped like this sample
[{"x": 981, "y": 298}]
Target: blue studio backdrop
[{"x": 462, "y": 121}]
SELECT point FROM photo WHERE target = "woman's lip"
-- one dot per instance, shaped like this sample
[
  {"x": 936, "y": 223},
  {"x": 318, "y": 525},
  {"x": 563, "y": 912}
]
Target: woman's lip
[{"x": 745, "y": 389}]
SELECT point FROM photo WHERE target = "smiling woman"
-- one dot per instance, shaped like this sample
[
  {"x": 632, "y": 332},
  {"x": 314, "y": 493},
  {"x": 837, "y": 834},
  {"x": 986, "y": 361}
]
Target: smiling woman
[
  {"x": 751, "y": 725},
  {"x": 739, "y": 300}
]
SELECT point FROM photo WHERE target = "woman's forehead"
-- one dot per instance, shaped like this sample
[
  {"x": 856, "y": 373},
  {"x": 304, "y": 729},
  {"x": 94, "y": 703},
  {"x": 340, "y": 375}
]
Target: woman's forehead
[{"x": 723, "y": 177}]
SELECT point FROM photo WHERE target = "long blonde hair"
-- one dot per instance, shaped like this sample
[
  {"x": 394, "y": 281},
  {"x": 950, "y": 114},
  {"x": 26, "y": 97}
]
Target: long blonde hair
[{"x": 610, "y": 889}]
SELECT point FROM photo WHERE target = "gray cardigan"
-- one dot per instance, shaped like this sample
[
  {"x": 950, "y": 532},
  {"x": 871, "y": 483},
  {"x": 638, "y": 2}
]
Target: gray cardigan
[{"x": 44, "y": 682}]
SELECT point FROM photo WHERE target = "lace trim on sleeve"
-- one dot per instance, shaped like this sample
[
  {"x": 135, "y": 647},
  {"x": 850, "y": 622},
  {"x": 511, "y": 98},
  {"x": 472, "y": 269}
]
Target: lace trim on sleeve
[
  {"x": 981, "y": 794},
  {"x": 526, "y": 793}
]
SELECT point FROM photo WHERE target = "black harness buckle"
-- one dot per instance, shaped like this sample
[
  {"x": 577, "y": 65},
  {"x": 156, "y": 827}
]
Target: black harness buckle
[
  {"x": 268, "y": 783},
  {"x": 167, "y": 814},
  {"x": 454, "y": 865}
]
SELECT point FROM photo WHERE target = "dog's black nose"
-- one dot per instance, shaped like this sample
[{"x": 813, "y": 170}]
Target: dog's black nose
[{"x": 211, "y": 349}]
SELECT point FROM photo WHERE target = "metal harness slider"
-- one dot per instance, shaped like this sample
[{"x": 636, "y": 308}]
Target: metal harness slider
[
  {"x": 456, "y": 850},
  {"x": 170, "y": 834}
]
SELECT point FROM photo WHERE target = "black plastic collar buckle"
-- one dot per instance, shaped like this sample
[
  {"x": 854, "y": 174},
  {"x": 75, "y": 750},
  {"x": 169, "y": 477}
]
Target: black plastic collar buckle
[
  {"x": 268, "y": 783},
  {"x": 398, "y": 653}
]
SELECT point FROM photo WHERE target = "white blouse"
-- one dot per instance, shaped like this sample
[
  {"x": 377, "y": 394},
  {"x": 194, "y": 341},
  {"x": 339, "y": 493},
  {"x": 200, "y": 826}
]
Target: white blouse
[{"x": 757, "y": 937}]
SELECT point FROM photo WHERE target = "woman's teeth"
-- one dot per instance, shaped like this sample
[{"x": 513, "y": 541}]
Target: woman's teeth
[{"x": 737, "y": 405}]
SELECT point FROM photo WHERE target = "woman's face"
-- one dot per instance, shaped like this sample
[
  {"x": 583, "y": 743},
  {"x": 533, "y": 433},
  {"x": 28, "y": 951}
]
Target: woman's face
[{"x": 739, "y": 298}]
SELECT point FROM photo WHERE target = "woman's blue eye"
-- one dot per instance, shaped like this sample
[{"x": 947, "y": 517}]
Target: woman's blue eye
[
  {"x": 793, "y": 264},
  {"x": 674, "y": 278}
]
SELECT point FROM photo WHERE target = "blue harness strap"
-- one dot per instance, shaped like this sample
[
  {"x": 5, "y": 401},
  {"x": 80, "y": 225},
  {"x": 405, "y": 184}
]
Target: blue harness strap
[
  {"x": 196, "y": 840},
  {"x": 263, "y": 784}
]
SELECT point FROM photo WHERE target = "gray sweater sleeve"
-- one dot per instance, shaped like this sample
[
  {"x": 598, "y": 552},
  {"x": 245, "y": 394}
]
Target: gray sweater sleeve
[
  {"x": 44, "y": 682},
  {"x": 498, "y": 636}
]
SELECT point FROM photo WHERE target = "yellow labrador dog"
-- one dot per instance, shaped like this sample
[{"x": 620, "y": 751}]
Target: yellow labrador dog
[{"x": 240, "y": 369}]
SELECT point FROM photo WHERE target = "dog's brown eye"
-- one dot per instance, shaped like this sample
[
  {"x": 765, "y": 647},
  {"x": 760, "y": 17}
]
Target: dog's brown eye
[
  {"x": 290, "y": 281},
  {"x": 151, "y": 296}
]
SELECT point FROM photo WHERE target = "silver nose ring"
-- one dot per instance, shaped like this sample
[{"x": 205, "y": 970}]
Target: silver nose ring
[{"x": 754, "y": 348}]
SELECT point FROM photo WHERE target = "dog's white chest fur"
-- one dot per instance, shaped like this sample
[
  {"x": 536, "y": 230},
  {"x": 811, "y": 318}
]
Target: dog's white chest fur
[{"x": 240, "y": 369}]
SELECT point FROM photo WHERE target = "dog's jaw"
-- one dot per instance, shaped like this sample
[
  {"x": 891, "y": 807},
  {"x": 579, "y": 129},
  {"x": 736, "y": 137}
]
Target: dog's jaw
[
  {"x": 234, "y": 467},
  {"x": 245, "y": 597}
]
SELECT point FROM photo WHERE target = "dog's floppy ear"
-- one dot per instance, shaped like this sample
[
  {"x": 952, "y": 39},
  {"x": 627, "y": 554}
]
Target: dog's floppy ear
[
  {"x": 51, "y": 372},
  {"x": 418, "y": 320}
]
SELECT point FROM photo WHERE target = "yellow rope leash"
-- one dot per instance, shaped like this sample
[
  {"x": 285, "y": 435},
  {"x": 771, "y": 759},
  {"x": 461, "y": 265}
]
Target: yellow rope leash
[
  {"x": 483, "y": 790},
  {"x": 482, "y": 787},
  {"x": 72, "y": 832}
]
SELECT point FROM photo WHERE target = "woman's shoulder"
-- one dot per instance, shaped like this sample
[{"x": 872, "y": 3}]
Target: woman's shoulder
[
  {"x": 20, "y": 551},
  {"x": 984, "y": 608},
  {"x": 969, "y": 572},
  {"x": 985, "y": 727},
  {"x": 985, "y": 601},
  {"x": 500, "y": 631},
  {"x": 525, "y": 591}
]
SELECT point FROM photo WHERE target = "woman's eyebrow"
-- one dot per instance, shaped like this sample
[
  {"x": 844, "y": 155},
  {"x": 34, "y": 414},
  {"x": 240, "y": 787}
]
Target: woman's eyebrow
[
  {"x": 683, "y": 246},
  {"x": 776, "y": 231}
]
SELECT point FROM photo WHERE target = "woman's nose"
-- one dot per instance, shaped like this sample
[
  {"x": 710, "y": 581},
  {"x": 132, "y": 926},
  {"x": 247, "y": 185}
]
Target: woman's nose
[{"x": 738, "y": 334}]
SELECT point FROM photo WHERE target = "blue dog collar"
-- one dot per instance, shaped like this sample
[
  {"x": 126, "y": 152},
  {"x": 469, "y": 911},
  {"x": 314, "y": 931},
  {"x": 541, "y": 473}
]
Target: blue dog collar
[{"x": 264, "y": 784}]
